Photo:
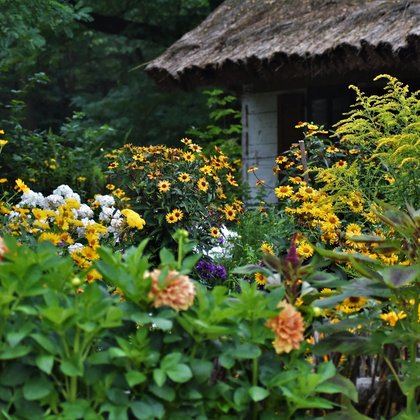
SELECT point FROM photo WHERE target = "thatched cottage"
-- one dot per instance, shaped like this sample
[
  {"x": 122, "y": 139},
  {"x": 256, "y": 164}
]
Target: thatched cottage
[{"x": 292, "y": 60}]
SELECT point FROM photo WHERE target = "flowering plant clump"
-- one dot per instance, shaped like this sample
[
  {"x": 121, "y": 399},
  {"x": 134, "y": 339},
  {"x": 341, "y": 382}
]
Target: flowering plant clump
[
  {"x": 176, "y": 188},
  {"x": 74, "y": 227}
]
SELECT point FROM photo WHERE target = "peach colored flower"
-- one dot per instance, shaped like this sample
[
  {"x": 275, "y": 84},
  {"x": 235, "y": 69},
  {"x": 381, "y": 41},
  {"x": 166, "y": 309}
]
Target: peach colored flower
[
  {"x": 178, "y": 291},
  {"x": 3, "y": 248},
  {"x": 288, "y": 326}
]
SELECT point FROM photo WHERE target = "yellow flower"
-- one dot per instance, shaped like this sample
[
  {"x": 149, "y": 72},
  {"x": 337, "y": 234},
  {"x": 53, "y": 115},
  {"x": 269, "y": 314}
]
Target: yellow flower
[
  {"x": 113, "y": 165},
  {"x": 202, "y": 184},
  {"x": 260, "y": 279},
  {"x": 267, "y": 248},
  {"x": 296, "y": 180},
  {"x": 283, "y": 191},
  {"x": 351, "y": 304},
  {"x": 391, "y": 318},
  {"x": 281, "y": 159},
  {"x": 305, "y": 250},
  {"x": 389, "y": 178},
  {"x": 195, "y": 147},
  {"x": 170, "y": 218},
  {"x": 134, "y": 220},
  {"x": 186, "y": 141},
  {"x": 230, "y": 213},
  {"x": 341, "y": 164},
  {"x": 21, "y": 186},
  {"x": 164, "y": 186},
  {"x": 184, "y": 177},
  {"x": 206, "y": 169},
  {"x": 93, "y": 275},
  {"x": 301, "y": 124},
  {"x": 54, "y": 238},
  {"x": 3, "y": 142},
  {"x": 110, "y": 187},
  {"x": 215, "y": 232},
  {"x": 3, "y": 180},
  {"x": 72, "y": 203},
  {"x": 188, "y": 156},
  {"x": 252, "y": 169},
  {"x": 231, "y": 179},
  {"x": 332, "y": 149},
  {"x": 353, "y": 229},
  {"x": 179, "y": 214},
  {"x": 81, "y": 178}
]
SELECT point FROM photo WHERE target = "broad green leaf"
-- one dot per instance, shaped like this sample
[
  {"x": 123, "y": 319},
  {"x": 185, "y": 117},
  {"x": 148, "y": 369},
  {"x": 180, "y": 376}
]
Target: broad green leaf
[
  {"x": 37, "y": 388},
  {"x": 258, "y": 393},
  {"x": 7, "y": 353},
  {"x": 147, "y": 409},
  {"x": 159, "y": 377},
  {"x": 45, "y": 362},
  {"x": 166, "y": 393},
  {"x": 245, "y": 351},
  {"x": 134, "y": 378},
  {"x": 202, "y": 369},
  {"x": 170, "y": 360},
  {"x": 180, "y": 373},
  {"x": 72, "y": 367}
]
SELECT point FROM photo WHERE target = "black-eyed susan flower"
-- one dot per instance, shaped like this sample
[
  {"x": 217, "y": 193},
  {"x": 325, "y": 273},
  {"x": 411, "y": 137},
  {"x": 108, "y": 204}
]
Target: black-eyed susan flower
[
  {"x": 283, "y": 191},
  {"x": 305, "y": 250},
  {"x": 188, "y": 156},
  {"x": 179, "y": 214},
  {"x": 252, "y": 169},
  {"x": 215, "y": 232},
  {"x": 267, "y": 248},
  {"x": 202, "y": 184},
  {"x": 184, "y": 177},
  {"x": 164, "y": 186},
  {"x": 341, "y": 164},
  {"x": 260, "y": 279}
]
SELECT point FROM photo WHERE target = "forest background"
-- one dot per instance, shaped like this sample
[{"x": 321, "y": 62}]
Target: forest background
[{"x": 59, "y": 57}]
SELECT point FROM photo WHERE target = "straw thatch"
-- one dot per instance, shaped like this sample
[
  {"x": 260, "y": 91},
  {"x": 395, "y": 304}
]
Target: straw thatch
[{"x": 247, "y": 40}]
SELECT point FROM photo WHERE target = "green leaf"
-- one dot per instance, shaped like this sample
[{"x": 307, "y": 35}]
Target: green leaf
[
  {"x": 165, "y": 392},
  {"x": 37, "y": 388},
  {"x": 162, "y": 323},
  {"x": 202, "y": 369},
  {"x": 72, "y": 367},
  {"x": 170, "y": 360},
  {"x": 159, "y": 377},
  {"x": 45, "y": 342},
  {"x": 258, "y": 393},
  {"x": 245, "y": 351},
  {"x": 134, "y": 378},
  {"x": 398, "y": 276},
  {"x": 147, "y": 409},
  {"x": 180, "y": 373},
  {"x": 45, "y": 362},
  {"x": 57, "y": 315},
  {"x": 7, "y": 353},
  {"x": 340, "y": 384}
]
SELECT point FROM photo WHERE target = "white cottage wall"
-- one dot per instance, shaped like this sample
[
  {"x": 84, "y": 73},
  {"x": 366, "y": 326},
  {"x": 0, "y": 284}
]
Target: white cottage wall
[{"x": 259, "y": 139}]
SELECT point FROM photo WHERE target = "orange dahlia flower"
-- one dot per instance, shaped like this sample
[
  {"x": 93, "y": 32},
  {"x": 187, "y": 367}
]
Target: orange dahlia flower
[
  {"x": 288, "y": 326},
  {"x": 178, "y": 291}
]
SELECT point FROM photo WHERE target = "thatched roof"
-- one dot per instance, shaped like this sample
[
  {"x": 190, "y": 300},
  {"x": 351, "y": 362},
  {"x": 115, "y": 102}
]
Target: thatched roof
[{"x": 246, "y": 40}]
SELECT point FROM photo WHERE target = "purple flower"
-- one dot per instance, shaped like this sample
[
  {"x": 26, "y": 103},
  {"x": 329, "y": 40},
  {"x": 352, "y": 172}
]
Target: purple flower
[{"x": 209, "y": 271}]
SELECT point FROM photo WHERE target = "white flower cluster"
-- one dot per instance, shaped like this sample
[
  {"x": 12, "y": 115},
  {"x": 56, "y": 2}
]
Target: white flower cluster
[{"x": 108, "y": 216}]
